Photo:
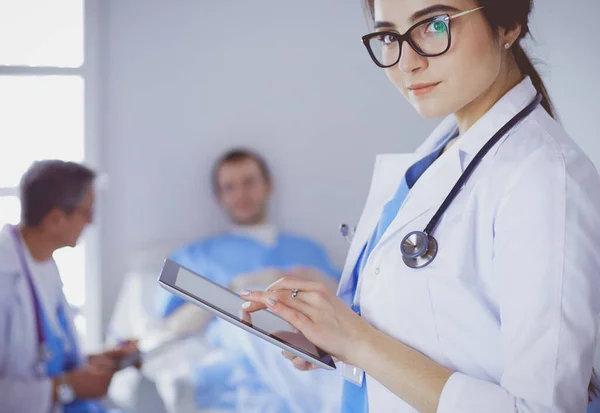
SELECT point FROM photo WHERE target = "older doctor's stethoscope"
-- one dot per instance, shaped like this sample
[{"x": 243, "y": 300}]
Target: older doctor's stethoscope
[{"x": 419, "y": 248}]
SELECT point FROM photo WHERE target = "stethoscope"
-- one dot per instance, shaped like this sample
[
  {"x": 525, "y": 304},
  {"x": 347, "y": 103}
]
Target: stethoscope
[
  {"x": 44, "y": 353},
  {"x": 419, "y": 248},
  {"x": 347, "y": 233}
]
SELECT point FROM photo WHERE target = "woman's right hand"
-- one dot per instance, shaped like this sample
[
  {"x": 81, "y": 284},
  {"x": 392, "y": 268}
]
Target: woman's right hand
[
  {"x": 90, "y": 381},
  {"x": 322, "y": 317}
]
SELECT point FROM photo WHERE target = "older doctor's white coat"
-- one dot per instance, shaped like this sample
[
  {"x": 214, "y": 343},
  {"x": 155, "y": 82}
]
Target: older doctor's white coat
[
  {"x": 511, "y": 302},
  {"x": 21, "y": 389}
]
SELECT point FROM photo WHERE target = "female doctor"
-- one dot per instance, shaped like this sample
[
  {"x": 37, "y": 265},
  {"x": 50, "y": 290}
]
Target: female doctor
[{"x": 474, "y": 266}]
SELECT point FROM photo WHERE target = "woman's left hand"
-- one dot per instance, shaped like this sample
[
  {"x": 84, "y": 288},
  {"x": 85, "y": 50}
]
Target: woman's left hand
[{"x": 323, "y": 318}]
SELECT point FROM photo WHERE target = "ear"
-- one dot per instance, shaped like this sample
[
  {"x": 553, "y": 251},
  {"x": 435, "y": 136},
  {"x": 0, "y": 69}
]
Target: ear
[
  {"x": 53, "y": 218},
  {"x": 270, "y": 187},
  {"x": 509, "y": 36},
  {"x": 219, "y": 199}
]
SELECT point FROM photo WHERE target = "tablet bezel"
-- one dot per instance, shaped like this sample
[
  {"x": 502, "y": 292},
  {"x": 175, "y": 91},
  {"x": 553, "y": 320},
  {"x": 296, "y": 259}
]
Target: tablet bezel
[{"x": 167, "y": 279}]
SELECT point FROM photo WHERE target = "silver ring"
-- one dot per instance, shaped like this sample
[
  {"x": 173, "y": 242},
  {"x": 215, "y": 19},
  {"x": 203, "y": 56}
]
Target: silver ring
[{"x": 294, "y": 292}]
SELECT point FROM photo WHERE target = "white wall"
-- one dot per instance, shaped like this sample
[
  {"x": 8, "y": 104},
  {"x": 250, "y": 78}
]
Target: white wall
[
  {"x": 570, "y": 62},
  {"x": 185, "y": 80}
]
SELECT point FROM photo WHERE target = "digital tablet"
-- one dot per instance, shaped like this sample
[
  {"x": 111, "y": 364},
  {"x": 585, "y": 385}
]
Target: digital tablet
[{"x": 227, "y": 305}]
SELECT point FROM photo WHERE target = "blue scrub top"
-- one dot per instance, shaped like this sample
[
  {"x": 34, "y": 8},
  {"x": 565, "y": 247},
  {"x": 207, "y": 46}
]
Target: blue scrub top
[
  {"x": 64, "y": 358},
  {"x": 221, "y": 258},
  {"x": 218, "y": 384}
]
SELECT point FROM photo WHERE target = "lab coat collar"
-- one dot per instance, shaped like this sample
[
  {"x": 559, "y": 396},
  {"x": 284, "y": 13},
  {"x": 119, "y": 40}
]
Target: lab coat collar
[
  {"x": 506, "y": 108},
  {"x": 428, "y": 192},
  {"x": 388, "y": 171},
  {"x": 8, "y": 249},
  {"x": 438, "y": 180}
]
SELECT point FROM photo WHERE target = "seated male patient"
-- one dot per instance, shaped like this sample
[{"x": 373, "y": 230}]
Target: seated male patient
[
  {"x": 41, "y": 367},
  {"x": 252, "y": 253}
]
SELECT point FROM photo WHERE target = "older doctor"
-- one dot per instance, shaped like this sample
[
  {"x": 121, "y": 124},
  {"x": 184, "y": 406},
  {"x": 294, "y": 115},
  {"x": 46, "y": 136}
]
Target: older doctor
[
  {"x": 41, "y": 368},
  {"x": 504, "y": 318}
]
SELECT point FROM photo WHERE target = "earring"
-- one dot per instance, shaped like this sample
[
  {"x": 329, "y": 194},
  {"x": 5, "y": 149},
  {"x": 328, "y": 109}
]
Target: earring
[{"x": 507, "y": 46}]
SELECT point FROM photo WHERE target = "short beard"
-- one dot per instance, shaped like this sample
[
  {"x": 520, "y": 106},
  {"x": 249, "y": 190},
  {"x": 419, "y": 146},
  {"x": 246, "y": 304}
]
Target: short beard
[{"x": 255, "y": 219}]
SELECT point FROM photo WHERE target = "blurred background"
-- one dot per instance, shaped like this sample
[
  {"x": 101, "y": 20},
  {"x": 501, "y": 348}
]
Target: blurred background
[{"x": 150, "y": 92}]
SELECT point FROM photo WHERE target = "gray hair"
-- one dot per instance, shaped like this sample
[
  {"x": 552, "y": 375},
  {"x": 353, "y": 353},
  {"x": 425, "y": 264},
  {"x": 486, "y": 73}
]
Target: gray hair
[{"x": 51, "y": 184}]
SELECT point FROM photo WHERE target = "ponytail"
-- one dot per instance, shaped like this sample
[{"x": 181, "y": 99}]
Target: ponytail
[
  {"x": 527, "y": 68},
  {"x": 592, "y": 387}
]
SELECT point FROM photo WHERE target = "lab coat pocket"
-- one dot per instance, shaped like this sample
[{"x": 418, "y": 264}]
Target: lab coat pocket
[{"x": 396, "y": 300}]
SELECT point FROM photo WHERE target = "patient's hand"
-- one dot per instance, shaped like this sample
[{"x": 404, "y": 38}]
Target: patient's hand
[
  {"x": 263, "y": 278},
  {"x": 256, "y": 280},
  {"x": 187, "y": 319}
]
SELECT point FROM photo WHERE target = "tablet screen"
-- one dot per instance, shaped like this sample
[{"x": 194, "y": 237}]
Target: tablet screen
[{"x": 229, "y": 304}]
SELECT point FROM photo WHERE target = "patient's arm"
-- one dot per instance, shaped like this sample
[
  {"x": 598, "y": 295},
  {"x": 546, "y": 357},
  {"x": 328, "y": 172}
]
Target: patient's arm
[
  {"x": 187, "y": 319},
  {"x": 263, "y": 278},
  {"x": 260, "y": 279}
]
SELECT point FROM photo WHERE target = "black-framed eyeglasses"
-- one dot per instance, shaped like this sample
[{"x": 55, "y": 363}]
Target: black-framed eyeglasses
[{"x": 429, "y": 38}]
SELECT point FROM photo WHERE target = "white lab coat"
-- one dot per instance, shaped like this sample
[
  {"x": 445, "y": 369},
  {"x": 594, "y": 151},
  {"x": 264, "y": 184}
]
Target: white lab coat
[
  {"x": 21, "y": 389},
  {"x": 511, "y": 302}
]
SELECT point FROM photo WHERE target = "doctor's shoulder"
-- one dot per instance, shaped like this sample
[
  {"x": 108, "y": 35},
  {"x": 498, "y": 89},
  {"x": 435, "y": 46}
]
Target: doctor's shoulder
[
  {"x": 9, "y": 272},
  {"x": 541, "y": 150}
]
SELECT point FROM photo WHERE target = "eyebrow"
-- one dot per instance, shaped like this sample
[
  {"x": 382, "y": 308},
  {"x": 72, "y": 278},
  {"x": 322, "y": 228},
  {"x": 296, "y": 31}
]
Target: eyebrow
[{"x": 418, "y": 15}]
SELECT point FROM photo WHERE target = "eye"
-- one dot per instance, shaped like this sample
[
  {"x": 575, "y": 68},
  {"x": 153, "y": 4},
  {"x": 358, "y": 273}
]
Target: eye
[
  {"x": 386, "y": 39},
  {"x": 436, "y": 28},
  {"x": 250, "y": 182}
]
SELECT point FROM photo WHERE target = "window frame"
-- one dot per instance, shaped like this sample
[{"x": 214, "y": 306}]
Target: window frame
[{"x": 89, "y": 71}]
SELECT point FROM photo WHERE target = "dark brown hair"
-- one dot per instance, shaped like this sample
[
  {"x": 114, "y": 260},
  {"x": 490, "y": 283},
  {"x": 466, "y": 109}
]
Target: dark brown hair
[
  {"x": 237, "y": 155},
  {"x": 508, "y": 14},
  {"x": 52, "y": 184}
]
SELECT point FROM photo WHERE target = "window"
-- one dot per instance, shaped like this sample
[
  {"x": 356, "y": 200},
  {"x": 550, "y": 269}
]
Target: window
[
  {"x": 42, "y": 117},
  {"x": 41, "y": 33},
  {"x": 43, "y": 80}
]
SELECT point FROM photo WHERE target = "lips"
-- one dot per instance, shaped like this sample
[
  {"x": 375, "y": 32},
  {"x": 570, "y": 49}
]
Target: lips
[{"x": 420, "y": 89}]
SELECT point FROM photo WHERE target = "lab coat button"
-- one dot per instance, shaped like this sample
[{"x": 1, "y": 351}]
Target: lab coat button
[{"x": 377, "y": 270}]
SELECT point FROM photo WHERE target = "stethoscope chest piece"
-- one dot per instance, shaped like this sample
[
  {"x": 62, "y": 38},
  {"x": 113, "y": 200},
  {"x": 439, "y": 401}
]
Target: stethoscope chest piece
[{"x": 418, "y": 249}]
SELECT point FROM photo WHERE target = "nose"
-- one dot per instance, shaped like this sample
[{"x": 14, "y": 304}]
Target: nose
[
  {"x": 237, "y": 192},
  {"x": 411, "y": 61}
]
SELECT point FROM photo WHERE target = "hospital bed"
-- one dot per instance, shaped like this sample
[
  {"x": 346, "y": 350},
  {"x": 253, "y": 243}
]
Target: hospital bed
[{"x": 164, "y": 384}]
